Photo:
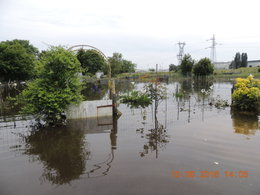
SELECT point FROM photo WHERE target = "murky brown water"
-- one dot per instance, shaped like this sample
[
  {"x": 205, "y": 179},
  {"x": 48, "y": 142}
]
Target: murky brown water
[{"x": 186, "y": 147}]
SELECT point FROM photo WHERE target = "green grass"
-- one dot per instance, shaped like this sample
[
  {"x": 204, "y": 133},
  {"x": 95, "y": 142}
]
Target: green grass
[
  {"x": 218, "y": 73},
  {"x": 240, "y": 72},
  {"x": 148, "y": 76}
]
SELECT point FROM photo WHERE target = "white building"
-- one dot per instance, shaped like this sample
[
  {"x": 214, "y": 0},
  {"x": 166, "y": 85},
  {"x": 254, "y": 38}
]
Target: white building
[
  {"x": 225, "y": 65},
  {"x": 253, "y": 63},
  {"x": 99, "y": 74},
  {"x": 222, "y": 65}
]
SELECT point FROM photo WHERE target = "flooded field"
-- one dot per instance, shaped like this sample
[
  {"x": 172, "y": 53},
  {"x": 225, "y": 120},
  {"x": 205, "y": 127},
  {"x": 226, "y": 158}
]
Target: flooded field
[{"x": 183, "y": 144}]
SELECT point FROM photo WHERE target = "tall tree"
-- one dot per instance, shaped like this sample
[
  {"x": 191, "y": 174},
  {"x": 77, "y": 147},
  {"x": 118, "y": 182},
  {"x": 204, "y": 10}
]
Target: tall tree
[
  {"x": 232, "y": 65},
  {"x": 17, "y": 60},
  {"x": 186, "y": 64},
  {"x": 244, "y": 60},
  {"x": 128, "y": 66},
  {"x": 91, "y": 61},
  {"x": 26, "y": 44},
  {"x": 237, "y": 60},
  {"x": 120, "y": 65},
  {"x": 116, "y": 62}
]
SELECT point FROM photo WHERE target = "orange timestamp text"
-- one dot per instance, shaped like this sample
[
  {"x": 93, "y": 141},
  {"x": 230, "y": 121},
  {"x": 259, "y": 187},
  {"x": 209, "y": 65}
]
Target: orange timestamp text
[{"x": 209, "y": 174}]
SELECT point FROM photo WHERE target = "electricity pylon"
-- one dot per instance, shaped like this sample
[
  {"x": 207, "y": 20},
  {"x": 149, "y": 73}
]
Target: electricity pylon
[
  {"x": 181, "y": 51},
  {"x": 213, "y": 56}
]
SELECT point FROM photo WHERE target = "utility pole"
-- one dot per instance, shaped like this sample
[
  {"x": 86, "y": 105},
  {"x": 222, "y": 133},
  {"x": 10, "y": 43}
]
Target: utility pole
[
  {"x": 181, "y": 51},
  {"x": 213, "y": 49}
]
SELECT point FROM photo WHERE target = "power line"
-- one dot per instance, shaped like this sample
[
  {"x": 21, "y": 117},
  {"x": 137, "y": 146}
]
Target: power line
[{"x": 213, "y": 49}]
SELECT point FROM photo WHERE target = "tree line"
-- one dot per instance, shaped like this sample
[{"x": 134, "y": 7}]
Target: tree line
[
  {"x": 188, "y": 66},
  {"x": 19, "y": 60},
  {"x": 239, "y": 61}
]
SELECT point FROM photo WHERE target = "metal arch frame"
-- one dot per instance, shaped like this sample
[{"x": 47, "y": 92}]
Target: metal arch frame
[{"x": 78, "y": 47}]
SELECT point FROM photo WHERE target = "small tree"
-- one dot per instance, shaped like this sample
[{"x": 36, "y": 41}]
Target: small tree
[
  {"x": 203, "y": 67},
  {"x": 186, "y": 64},
  {"x": 57, "y": 87}
]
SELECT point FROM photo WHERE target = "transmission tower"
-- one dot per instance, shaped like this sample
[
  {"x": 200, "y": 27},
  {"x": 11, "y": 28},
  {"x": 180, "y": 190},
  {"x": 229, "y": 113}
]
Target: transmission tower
[
  {"x": 181, "y": 51},
  {"x": 213, "y": 56}
]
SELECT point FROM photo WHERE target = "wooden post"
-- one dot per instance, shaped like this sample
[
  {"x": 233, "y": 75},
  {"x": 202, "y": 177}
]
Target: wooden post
[{"x": 113, "y": 96}]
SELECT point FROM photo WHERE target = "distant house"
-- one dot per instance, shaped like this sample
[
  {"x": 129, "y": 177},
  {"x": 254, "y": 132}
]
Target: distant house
[
  {"x": 253, "y": 63},
  {"x": 140, "y": 70},
  {"x": 99, "y": 74},
  {"x": 225, "y": 65}
]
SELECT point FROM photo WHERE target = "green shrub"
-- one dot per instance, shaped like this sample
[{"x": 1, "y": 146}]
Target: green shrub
[
  {"x": 57, "y": 87},
  {"x": 203, "y": 67},
  {"x": 246, "y": 95}
]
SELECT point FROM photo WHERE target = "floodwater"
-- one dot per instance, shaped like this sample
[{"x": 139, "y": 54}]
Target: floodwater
[{"x": 180, "y": 145}]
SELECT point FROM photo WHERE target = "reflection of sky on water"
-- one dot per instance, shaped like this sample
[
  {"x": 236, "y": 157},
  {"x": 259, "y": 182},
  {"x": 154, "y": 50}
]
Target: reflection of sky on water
[{"x": 181, "y": 134}]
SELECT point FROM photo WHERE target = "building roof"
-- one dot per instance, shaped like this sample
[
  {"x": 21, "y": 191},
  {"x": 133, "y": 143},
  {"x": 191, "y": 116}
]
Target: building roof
[{"x": 253, "y": 61}]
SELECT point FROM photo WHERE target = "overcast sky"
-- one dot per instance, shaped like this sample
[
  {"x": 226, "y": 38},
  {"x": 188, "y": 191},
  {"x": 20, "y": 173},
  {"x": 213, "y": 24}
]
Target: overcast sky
[{"x": 144, "y": 31}]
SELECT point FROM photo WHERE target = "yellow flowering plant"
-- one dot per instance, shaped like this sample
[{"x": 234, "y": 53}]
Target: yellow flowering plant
[{"x": 246, "y": 95}]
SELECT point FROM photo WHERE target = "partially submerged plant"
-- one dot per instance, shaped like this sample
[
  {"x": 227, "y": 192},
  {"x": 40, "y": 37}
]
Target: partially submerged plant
[
  {"x": 207, "y": 92},
  {"x": 136, "y": 99},
  {"x": 179, "y": 94},
  {"x": 219, "y": 103}
]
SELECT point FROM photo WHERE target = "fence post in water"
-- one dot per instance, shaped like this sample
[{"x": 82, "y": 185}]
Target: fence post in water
[{"x": 112, "y": 89}]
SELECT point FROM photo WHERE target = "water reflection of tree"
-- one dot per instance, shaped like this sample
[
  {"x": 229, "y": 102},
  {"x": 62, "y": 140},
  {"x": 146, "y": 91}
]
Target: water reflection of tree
[
  {"x": 245, "y": 123},
  {"x": 94, "y": 91},
  {"x": 62, "y": 151},
  {"x": 191, "y": 94},
  {"x": 202, "y": 83},
  {"x": 124, "y": 86},
  {"x": 202, "y": 86},
  {"x": 186, "y": 87},
  {"x": 157, "y": 137}
]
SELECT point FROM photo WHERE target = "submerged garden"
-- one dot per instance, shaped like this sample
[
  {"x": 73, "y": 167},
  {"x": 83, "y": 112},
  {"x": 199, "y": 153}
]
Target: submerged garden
[{"x": 176, "y": 128}]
